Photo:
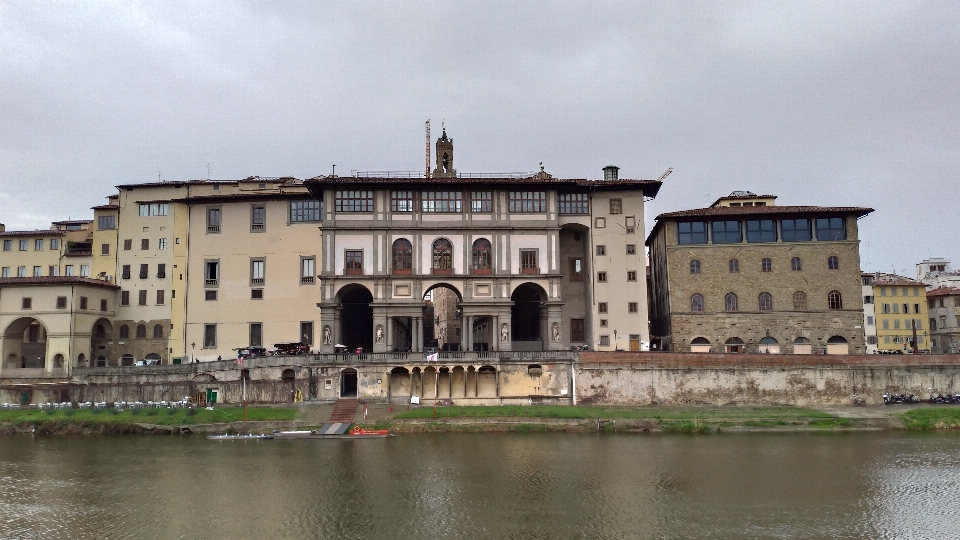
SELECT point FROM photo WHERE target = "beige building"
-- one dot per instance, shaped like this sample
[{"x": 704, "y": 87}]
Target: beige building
[
  {"x": 943, "y": 305},
  {"x": 63, "y": 250},
  {"x": 746, "y": 275},
  {"x": 900, "y": 304}
]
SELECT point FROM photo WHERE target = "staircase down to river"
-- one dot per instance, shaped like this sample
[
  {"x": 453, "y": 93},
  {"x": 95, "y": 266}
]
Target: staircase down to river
[{"x": 344, "y": 410}]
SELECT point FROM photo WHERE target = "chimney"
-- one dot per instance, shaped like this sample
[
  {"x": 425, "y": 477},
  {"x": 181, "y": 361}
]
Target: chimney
[
  {"x": 610, "y": 173},
  {"x": 3, "y": 228}
]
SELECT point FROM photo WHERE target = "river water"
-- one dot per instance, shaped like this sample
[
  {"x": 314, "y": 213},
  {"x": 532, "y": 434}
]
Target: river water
[{"x": 539, "y": 486}]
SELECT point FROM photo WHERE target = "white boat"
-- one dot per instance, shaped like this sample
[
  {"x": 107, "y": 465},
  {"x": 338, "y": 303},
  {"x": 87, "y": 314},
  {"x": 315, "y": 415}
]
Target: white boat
[{"x": 239, "y": 437}]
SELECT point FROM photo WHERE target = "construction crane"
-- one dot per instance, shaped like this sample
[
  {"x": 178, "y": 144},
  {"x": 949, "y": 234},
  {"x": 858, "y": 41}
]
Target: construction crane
[{"x": 428, "y": 149}]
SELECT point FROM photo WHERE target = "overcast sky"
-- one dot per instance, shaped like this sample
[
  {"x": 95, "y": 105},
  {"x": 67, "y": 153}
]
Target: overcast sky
[{"x": 852, "y": 104}]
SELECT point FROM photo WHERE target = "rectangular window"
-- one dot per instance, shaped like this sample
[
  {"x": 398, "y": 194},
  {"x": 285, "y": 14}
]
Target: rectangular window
[
  {"x": 604, "y": 341},
  {"x": 633, "y": 307},
  {"x": 481, "y": 202},
  {"x": 83, "y": 302},
  {"x": 692, "y": 232},
  {"x": 831, "y": 229},
  {"x": 213, "y": 220},
  {"x": 869, "y": 320},
  {"x": 630, "y": 224},
  {"x": 5, "y": 272},
  {"x": 124, "y": 298},
  {"x": 867, "y": 299},
  {"x": 142, "y": 297},
  {"x": 258, "y": 218},
  {"x": 161, "y": 271},
  {"x": 23, "y": 245},
  {"x": 631, "y": 249},
  {"x": 211, "y": 275},
  {"x": 256, "y": 334},
  {"x": 916, "y": 308},
  {"x": 257, "y": 269},
  {"x": 210, "y": 295},
  {"x": 307, "y": 269},
  {"x": 576, "y": 269},
  {"x": 38, "y": 244},
  {"x": 103, "y": 305},
  {"x": 8, "y": 245},
  {"x": 601, "y": 223},
  {"x": 354, "y": 262},
  {"x": 53, "y": 270},
  {"x": 601, "y": 277},
  {"x": 603, "y": 323},
  {"x": 762, "y": 230},
  {"x": 306, "y": 333},
  {"x": 631, "y": 275},
  {"x": 601, "y": 250},
  {"x": 127, "y": 244},
  {"x": 943, "y": 322},
  {"x": 576, "y": 330},
  {"x": 305, "y": 211},
  {"x": 256, "y": 294},
  {"x": 124, "y": 271},
  {"x": 104, "y": 249},
  {"x": 401, "y": 201},
  {"x": 573, "y": 203},
  {"x": 153, "y": 209},
  {"x": 795, "y": 230},
  {"x": 22, "y": 271},
  {"x": 886, "y": 339},
  {"x": 26, "y": 303},
  {"x": 896, "y": 324},
  {"x": 616, "y": 206},
  {"x": 209, "y": 336},
  {"x": 145, "y": 244},
  {"x": 162, "y": 243},
  {"x": 443, "y": 202},
  {"x": 37, "y": 271},
  {"x": 725, "y": 232},
  {"x": 353, "y": 201},
  {"x": 107, "y": 222},
  {"x": 144, "y": 271},
  {"x": 528, "y": 201},
  {"x": 61, "y": 302},
  {"x": 528, "y": 261},
  {"x": 601, "y": 307}
]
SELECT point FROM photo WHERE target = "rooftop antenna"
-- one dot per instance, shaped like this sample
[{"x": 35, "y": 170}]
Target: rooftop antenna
[
  {"x": 334, "y": 173},
  {"x": 428, "y": 149},
  {"x": 665, "y": 174},
  {"x": 208, "y": 171}
]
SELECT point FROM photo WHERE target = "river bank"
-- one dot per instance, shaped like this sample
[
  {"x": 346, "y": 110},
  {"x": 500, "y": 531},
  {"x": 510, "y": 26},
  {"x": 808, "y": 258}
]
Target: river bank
[{"x": 578, "y": 419}]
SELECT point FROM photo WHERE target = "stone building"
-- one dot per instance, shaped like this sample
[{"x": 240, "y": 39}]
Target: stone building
[
  {"x": 943, "y": 306},
  {"x": 746, "y": 275},
  {"x": 901, "y": 310}
]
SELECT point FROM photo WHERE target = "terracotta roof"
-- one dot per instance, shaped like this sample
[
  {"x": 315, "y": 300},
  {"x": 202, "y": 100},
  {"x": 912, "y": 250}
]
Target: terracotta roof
[
  {"x": 766, "y": 210},
  {"x": 252, "y": 196},
  {"x": 944, "y": 291},
  {"x": 56, "y": 280},
  {"x": 73, "y": 222},
  {"x": 899, "y": 281},
  {"x": 106, "y": 207},
  {"x": 249, "y": 179},
  {"x": 649, "y": 187},
  {"x": 736, "y": 197},
  {"x": 33, "y": 233}
]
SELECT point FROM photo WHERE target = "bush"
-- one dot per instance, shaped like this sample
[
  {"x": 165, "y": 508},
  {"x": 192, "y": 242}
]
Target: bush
[
  {"x": 171, "y": 412},
  {"x": 69, "y": 412},
  {"x": 135, "y": 411},
  {"x": 152, "y": 412},
  {"x": 192, "y": 411}
]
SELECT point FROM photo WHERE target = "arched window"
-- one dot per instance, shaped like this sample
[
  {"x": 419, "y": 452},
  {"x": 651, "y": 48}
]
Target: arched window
[
  {"x": 124, "y": 331},
  {"x": 442, "y": 256},
  {"x": 834, "y": 300},
  {"x": 158, "y": 330},
  {"x": 141, "y": 330},
  {"x": 795, "y": 264},
  {"x": 800, "y": 301},
  {"x": 833, "y": 263},
  {"x": 766, "y": 265},
  {"x": 101, "y": 332},
  {"x": 482, "y": 260},
  {"x": 694, "y": 266},
  {"x": 402, "y": 256},
  {"x": 730, "y": 302},
  {"x": 766, "y": 301},
  {"x": 734, "y": 265},
  {"x": 696, "y": 303}
]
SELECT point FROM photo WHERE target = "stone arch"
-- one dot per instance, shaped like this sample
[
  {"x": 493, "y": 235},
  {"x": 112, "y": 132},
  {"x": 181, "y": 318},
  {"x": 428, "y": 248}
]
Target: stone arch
[
  {"x": 288, "y": 383},
  {"x": 58, "y": 360},
  {"x": 127, "y": 360},
  {"x": 458, "y": 382},
  {"x": 348, "y": 383},
  {"x": 442, "y": 317},
  {"x": 802, "y": 345},
  {"x": 25, "y": 339},
  {"x": 101, "y": 337},
  {"x": 400, "y": 384},
  {"x": 416, "y": 382},
  {"x": 441, "y": 256},
  {"x": 487, "y": 382},
  {"x": 401, "y": 257},
  {"x": 528, "y": 317},
  {"x": 356, "y": 316},
  {"x": 733, "y": 345},
  {"x": 481, "y": 256},
  {"x": 838, "y": 345},
  {"x": 769, "y": 345},
  {"x": 700, "y": 345}
]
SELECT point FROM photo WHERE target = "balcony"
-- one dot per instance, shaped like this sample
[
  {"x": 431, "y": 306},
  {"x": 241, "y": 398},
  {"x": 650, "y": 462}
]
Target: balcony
[
  {"x": 211, "y": 282},
  {"x": 213, "y": 229},
  {"x": 257, "y": 227},
  {"x": 306, "y": 280},
  {"x": 256, "y": 281}
]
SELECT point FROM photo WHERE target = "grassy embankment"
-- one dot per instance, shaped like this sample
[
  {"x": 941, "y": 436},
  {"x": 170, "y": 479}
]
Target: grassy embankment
[
  {"x": 111, "y": 421},
  {"x": 680, "y": 419},
  {"x": 945, "y": 417}
]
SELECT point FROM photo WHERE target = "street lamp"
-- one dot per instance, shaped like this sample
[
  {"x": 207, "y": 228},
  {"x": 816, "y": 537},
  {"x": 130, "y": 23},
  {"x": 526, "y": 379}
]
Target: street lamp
[{"x": 193, "y": 351}]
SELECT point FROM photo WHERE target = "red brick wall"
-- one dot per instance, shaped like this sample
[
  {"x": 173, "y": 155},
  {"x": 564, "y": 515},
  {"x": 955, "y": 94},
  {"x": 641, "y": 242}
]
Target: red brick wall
[{"x": 697, "y": 360}]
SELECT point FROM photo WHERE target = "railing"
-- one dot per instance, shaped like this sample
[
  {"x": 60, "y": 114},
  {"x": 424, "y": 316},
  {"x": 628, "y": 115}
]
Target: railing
[
  {"x": 306, "y": 279},
  {"x": 213, "y": 228},
  {"x": 421, "y": 174},
  {"x": 256, "y": 281},
  {"x": 210, "y": 282},
  {"x": 257, "y": 227}
]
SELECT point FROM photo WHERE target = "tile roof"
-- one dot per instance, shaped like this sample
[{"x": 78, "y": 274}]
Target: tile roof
[
  {"x": 56, "y": 280},
  {"x": 944, "y": 291},
  {"x": 106, "y": 207},
  {"x": 649, "y": 187},
  {"x": 43, "y": 232},
  {"x": 73, "y": 222},
  {"x": 766, "y": 210},
  {"x": 899, "y": 281},
  {"x": 249, "y": 179}
]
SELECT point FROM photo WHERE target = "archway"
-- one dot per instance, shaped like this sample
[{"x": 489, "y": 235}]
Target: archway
[
  {"x": 802, "y": 345},
  {"x": 348, "y": 383},
  {"x": 838, "y": 345},
  {"x": 356, "y": 317},
  {"x": 733, "y": 345},
  {"x": 487, "y": 381},
  {"x": 769, "y": 345},
  {"x": 400, "y": 384},
  {"x": 700, "y": 345},
  {"x": 101, "y": 336},
  {"x": 443, "y": 319},
  {"x": 25, "y": 344},
  {"x": 526, "y": 317},
  {"x": 288, "y": 381}
]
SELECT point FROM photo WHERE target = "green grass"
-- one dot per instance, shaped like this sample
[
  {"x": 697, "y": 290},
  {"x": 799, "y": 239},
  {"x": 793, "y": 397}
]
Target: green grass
[
  {"x": 635, "y": 413},
  {"x": 150, "y": 416},
  {"x": 945, "y": 417}
]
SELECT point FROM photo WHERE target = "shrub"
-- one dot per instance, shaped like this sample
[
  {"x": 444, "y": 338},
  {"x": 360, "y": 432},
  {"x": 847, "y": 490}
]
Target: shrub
[
  {"x": 152, "y": 412},
  {"x": 191, "y": 411},
  {"x": 171, "y": 412}
]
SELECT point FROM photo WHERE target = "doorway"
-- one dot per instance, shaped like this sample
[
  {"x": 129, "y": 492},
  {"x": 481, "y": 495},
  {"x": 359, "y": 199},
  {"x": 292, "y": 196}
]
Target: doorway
[
  {"x": 348, "y": 383},
  {"x": 356, "y": 318}
]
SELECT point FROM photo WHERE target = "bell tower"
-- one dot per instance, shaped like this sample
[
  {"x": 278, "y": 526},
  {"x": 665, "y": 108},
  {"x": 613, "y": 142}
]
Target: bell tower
[{"x": 444, "y": 157}]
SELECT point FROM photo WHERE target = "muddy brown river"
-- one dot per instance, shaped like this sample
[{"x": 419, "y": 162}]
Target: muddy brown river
[{"x": 497, "y": 486}]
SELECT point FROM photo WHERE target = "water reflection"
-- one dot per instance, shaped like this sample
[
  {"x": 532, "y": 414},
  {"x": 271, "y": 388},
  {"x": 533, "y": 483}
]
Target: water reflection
[{"x": 878, "y": 485}]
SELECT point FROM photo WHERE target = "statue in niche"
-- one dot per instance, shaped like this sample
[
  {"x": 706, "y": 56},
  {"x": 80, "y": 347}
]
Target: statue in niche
[
  {"x": 380, "y": 334},
  {"x": 327, "y": 338},
  {"x": 555, "y": 331},
  {"x": 504, "y": 333}
]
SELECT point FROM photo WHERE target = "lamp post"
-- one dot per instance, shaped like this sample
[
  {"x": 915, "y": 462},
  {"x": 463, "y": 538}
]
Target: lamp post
[{"x": 193, "y": 351}]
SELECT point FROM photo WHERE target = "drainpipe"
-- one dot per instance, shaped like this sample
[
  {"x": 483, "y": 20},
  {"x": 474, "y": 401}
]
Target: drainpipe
[{"x": 573, "y": 382}]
